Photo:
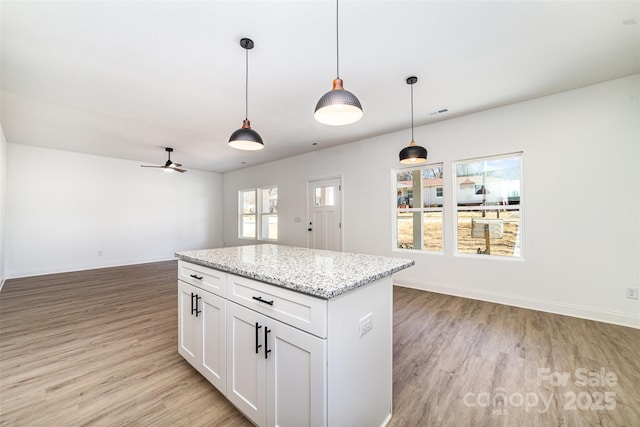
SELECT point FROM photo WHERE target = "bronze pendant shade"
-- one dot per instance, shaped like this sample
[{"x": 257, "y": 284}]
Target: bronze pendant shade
[
  {"x": 338, "y": 106},
  {"x": 412, "y": 154},
  {"x": 246, "y": 138}
]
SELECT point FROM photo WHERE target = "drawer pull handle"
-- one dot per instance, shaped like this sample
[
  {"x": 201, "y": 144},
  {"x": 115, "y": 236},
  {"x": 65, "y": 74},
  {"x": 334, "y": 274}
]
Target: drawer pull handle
[
  {"x": 262, "y": 300},
  {"x": 267, "y": 350},
  {"x": 196, "y": 277},
  {"x": 257, "y": 339}
]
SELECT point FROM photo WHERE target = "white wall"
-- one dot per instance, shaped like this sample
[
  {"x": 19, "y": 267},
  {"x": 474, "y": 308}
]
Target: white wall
[
  {"x": 3, "y": 199},
  {"x": 64, "y": 207},
  {"x": 579, "y": 256}
]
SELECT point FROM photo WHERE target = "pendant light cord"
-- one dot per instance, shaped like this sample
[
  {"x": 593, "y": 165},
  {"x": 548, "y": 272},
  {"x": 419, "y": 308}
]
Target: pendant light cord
[
  {"x": 337, "y": 44},
  {"x": 411, "y": 112},
  {"x": 246, "y": 86}
]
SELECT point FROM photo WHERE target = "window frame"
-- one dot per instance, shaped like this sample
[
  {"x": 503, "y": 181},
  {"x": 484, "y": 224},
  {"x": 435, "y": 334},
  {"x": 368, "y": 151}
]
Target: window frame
[
  {"x": 241, "y": 214},
  {"x": 258, "y": 214},
  {"x": 270, "y": 214},
  {"x": 489, "y": 208},
  {"x": 396, "y": 210}
]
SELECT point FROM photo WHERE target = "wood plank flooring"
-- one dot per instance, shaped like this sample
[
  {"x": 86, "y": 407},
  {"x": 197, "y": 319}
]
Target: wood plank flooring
[{"x": 99, "y": 348}]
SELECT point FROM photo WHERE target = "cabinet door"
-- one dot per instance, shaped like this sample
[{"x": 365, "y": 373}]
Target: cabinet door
[
  {"x": 188, "y": 337},
  {"x": 246, "y": 363},
  {"x": 213, "y": 355},
  {"x": 296, "y": 377}
]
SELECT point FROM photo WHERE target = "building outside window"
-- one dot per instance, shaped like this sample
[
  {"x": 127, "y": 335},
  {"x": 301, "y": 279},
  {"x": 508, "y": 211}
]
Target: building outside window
[
  {"x": 419, "y": 222},
  {"x": 488, "y": 205}
]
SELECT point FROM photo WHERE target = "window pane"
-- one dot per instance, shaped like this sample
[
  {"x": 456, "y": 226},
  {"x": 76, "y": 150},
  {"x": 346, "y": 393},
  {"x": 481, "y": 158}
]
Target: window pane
[
  {"x": 247, "y": 214},
  {"x": 419, "y": 195},
  {"x": 248, "y": 226},
  {"x": 432, "y": 187},
  {"x": 269, "y": 198},
  {"x": 404, "y": 187},
  {"x": 405, "y": 230},
  {"x": 432, "y": 231},
  {"x": 488, "y": 182},
  {"x": 248, "y": 202},
  {"x": 494, "y": 232},
  {"x": 269, "y": 227},
  {"x": 324, "y": 196}
]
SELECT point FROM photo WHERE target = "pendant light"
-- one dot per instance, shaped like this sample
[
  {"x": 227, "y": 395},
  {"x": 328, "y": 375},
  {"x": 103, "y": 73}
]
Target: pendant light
[
  {"x": 338, "y": 106},
  {"x": 246, "y": 138},
  {"x": 412, "y": 154}
]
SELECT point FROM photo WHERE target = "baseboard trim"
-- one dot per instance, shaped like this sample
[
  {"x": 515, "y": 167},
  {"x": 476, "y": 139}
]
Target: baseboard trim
[
  {"x": 589, "y": 313},
  {"x": 70, "y": 269}
]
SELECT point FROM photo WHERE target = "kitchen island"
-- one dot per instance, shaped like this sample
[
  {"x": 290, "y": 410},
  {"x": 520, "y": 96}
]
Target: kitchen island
[{"x": 291, "y": 336}]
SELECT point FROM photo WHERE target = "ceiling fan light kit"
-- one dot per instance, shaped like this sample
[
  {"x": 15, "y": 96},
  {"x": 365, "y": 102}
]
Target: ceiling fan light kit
[
  {"x": 246, "y": 138},
  {"x": 412, "y": 154},
  {"x": 338, "y": 107}
]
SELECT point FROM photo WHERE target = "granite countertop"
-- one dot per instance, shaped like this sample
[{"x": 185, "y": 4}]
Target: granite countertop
[{"x": 320, "y": 273}]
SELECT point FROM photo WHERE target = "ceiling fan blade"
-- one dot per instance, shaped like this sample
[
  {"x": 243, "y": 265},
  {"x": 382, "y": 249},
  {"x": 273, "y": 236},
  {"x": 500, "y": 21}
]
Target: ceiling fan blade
[{"x": 169, "y": 166}]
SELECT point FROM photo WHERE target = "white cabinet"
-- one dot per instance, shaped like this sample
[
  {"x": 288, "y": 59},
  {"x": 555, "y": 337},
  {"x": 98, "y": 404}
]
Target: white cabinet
[
  {"x": 202, "y": 332},
  {"x": 276, "y": 374},
  {"x": 296, "y": 378},
  {"x": 285, "y": 358}
]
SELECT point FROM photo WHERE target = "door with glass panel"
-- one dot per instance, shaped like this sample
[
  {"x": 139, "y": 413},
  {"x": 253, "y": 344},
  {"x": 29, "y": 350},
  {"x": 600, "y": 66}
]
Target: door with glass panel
[{"x": 324, "y": 219}]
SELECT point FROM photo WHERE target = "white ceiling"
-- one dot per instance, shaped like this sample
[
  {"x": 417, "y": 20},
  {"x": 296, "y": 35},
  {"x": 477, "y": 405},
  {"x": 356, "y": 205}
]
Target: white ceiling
[{"x": 126, "y": 78}]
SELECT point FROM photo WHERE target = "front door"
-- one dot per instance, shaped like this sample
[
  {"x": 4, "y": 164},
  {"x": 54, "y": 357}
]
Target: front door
[{"x": 324, "y": 221}]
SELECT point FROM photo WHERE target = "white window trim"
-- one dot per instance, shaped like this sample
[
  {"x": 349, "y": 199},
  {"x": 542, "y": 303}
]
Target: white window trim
[
  {"x": 260, "y": 214},
  {"x": 456, "y": 208},
  {"x": 241, "y": 213},
  {"x": 395, "y": 209},
  {"x": 257, "y": 213}
]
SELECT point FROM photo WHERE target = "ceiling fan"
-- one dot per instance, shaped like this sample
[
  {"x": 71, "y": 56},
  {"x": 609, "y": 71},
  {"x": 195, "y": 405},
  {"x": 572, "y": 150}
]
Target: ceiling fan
[{"x": 169, "y": 166}]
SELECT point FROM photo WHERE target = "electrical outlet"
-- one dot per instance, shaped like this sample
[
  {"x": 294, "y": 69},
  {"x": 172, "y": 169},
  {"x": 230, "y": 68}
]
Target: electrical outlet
[
  {"x": 632, "y": 293},
  {"x": 366, "y": 324},
  {"x": 100, "y": 253}
]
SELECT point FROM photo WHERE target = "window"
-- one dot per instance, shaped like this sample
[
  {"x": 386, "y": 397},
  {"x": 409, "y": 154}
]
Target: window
[
  {"x": 488, "y": 196},
  {"x": 258, "y": 213},
  {"x": 247, "y": 214},
  {"x": 418, "y": 224},
  {"x": 324, "y": 196},
  {"x": 269, "y": 213}
]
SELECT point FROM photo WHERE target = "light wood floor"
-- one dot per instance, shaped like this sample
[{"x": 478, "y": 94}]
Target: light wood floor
[{"x": 99, "y": 347}]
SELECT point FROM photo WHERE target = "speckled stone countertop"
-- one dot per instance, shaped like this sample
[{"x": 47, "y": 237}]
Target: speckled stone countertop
[{"x": 320, "y": 273}]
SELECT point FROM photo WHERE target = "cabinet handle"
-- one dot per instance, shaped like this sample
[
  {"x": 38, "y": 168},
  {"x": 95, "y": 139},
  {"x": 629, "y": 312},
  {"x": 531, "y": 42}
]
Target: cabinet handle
[
  {"x": 264, "y": 301},
  {"x": 193, "y": 310},
  {"x": 198, "y": 298},
  {"x": 196, "y": 277},
  {"x": 267, "y": 350},
  {"x": 257, "y": 339}
]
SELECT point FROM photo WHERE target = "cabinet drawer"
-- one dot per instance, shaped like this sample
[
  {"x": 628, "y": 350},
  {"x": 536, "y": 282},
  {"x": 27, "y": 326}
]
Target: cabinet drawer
[
  {"x": 293, "y": 308},
  {"x": 211, "y": 280}
]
